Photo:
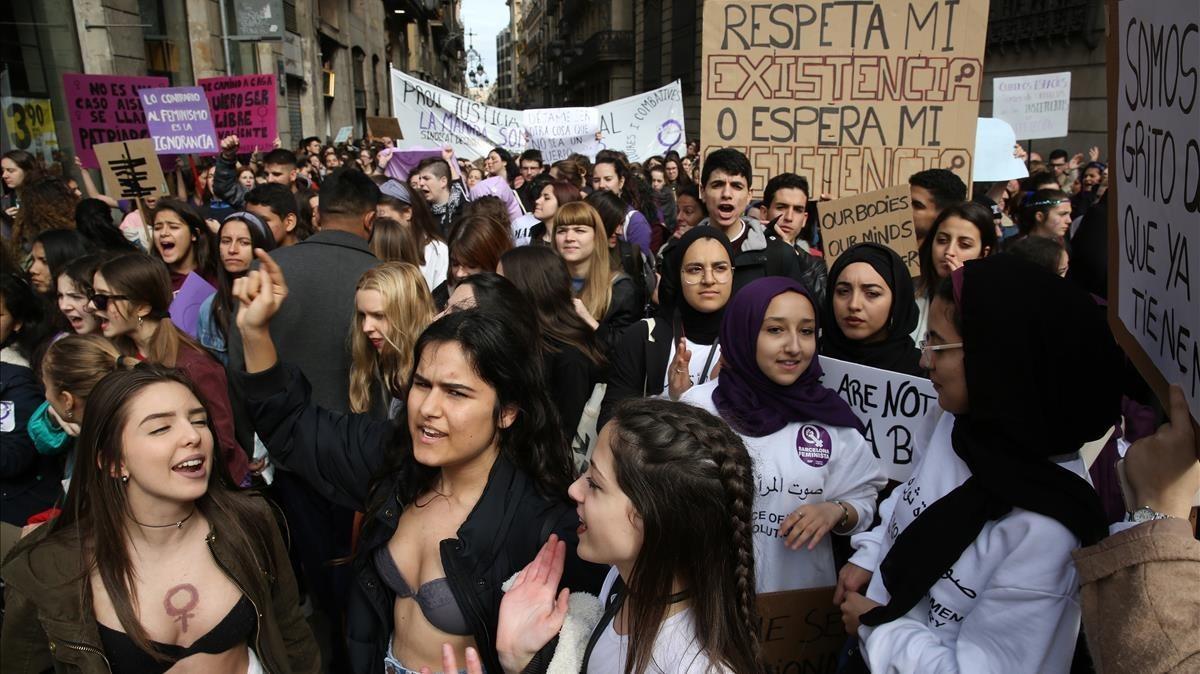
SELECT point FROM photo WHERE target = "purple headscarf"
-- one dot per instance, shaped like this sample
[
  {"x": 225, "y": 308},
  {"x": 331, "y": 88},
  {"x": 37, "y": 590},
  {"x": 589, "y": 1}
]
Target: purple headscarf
[{"x": 747, "y": 400}]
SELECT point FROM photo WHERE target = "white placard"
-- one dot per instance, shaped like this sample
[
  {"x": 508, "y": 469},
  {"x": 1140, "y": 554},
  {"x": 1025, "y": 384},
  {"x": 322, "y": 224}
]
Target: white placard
[
  {"x": 1157, "y": 173},
  {"x": 1035, "y": 105},
  {"x": 899, "y": 411}
]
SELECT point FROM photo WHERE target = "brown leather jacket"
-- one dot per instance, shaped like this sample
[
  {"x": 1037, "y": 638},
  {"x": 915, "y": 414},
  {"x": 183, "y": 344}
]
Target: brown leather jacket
[{"x": 49, "y": 620}]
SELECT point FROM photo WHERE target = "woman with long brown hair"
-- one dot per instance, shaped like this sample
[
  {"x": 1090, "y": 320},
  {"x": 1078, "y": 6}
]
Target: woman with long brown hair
[
  {"x": 131, "y": 299},
  {"x": 476, "y": 243},
  {"x": 607, "y": 299},
  {"x": 156, "y": 558}
]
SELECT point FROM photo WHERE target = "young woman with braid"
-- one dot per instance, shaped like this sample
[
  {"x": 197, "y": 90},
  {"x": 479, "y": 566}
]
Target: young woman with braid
[{"x": 666, "y": 501}]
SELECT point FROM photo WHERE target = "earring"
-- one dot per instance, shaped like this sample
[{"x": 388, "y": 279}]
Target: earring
[
  {"x": 70, "y": 415},
  {"x": 124, "y": 479},
  {"x": 139, "y": 321}
]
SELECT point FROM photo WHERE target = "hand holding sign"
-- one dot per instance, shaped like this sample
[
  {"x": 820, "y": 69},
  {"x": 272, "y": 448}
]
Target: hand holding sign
[{"x": 1162, "y": 469}]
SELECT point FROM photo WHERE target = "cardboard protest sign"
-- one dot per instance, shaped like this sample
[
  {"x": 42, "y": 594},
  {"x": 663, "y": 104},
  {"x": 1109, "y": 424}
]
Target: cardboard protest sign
[
  {"x": 131, "y": 169},
  {"x": 882, "y": 217},
  {"x": 384, "y": 127},
  {"x": 558, "y": 132},
  {"x": 1154, "y": 199},
  {"x": 29, "y": 126},
  {"x": 1037, "y": 106},
  {"x": 899, "y": 410},
  {"x": 801, "y": 631},
  {"x": 855, "y": 96},
  {"x": 179, "y": 120},
  {"x": 244, "y": 106},
  {"x": 104, "y": 109}
]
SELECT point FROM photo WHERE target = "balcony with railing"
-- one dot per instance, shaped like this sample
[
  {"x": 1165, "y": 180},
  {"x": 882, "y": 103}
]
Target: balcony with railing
[{"x": 606, "y": 46}]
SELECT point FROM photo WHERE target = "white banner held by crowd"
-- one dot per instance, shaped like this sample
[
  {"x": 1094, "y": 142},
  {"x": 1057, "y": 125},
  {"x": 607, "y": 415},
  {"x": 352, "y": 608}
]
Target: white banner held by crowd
[
  {"x": 1036, "y": 106},
  {"x": 898, "y": 410},
  {"x": 640, "y": 126}
]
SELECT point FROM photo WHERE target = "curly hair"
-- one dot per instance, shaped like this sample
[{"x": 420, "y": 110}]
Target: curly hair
[{"x": 46, "y": 203}]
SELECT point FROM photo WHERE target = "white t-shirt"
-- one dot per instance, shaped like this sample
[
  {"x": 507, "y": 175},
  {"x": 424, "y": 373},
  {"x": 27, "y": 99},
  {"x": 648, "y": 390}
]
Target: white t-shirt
[
  {"x": 520, "y": 229},
  {"x": 1010, "y": 603},
  {"x": 803, "y": 463},
  {"x": 437, "y": 263},
  {"x": 700, "y": 356},
  {"x": 676, "y": 650}
]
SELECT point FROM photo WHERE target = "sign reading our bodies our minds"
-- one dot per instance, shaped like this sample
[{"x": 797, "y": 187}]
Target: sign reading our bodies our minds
[
  {"x": 1156, "y": 176},
  {"x": 855, "y": 96},
  {"x": 641, "y": 126}
]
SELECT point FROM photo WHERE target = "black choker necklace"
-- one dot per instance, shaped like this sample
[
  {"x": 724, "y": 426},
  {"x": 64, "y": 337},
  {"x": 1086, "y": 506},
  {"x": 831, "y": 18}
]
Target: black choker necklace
[{"x": 177, "y": 525}]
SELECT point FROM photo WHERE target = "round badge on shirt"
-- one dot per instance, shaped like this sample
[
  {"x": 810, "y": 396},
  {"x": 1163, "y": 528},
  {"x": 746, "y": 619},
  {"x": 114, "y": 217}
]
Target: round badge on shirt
[{"x": 813, "y": 445}]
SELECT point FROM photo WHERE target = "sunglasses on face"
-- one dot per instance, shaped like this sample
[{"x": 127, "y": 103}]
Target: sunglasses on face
[{"x": 100, "y": 300}]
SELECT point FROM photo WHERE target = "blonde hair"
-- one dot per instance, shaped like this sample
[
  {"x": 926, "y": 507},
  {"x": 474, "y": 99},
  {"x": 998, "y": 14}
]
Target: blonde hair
[
  {"x": 596, "y": 293},
  {"x": 409, "y": 308}
]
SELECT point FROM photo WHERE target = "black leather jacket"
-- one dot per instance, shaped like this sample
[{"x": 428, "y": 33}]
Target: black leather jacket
[{"x": 341, "y": 454}]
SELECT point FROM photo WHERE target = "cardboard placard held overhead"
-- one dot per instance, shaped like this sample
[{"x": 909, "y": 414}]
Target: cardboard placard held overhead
[
  {"x": 1154, "y": 192},
  {"x": 854, "y": 96},
  {"x": 882, "y": 217},
  {"x": 801, "y": 630},
  {"x": 131, "y": 169},
  {"x": 384, "y": 127},
  {"x": 343, "y": 135}
]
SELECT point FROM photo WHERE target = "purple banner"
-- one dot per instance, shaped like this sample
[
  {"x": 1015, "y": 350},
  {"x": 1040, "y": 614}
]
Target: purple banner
[
  {"x": 105, "y": 109},
  {"x": 185, "y": 308},
  {"x": 179, "y": 120},
  {"x": 402, "y": 162},
  {"x": 244, "y": 106}
]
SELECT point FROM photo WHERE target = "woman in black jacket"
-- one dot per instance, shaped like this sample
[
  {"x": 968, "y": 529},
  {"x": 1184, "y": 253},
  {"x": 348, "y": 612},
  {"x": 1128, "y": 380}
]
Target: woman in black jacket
[
  {"x": 701, "y": 284},
  {"x": 458, "y": 497}
]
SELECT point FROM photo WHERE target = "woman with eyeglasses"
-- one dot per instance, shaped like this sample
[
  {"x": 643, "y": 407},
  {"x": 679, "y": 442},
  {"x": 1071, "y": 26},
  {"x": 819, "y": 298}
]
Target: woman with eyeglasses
[
  {"x": 814, "y": 471},
  {"x": 970, "y": 569},
  {"x": 870, "y": 312},
  {"x": 668, "y": 354},
  {"x": 131, "y": 299}
]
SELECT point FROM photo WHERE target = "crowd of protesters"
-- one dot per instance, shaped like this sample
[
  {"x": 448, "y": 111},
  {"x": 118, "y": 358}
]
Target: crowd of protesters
[{"x": 321, "y": 411}]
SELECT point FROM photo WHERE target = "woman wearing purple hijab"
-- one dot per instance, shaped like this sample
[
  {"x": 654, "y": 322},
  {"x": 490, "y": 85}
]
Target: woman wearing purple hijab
[{"x": 814, "y": 471}]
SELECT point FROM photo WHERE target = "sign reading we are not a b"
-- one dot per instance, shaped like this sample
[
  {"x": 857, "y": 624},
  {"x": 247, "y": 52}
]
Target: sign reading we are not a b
[{"x": 855, "y": 96}]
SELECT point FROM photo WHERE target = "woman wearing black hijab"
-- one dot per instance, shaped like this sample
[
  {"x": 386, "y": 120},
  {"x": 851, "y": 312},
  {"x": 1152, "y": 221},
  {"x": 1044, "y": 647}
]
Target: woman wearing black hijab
[
  {"x": 974, "y": 551},
  {"x": 870, "y": 311},
  {"x": 698, "y": 279}
]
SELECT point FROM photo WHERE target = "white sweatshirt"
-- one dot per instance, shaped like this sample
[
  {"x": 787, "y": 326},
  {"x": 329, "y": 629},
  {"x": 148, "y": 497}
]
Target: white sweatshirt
[
  {"x": 437, "y": 263},
  {"x": 803, "y": 463},
  {"x": 1010, "y": 602}
]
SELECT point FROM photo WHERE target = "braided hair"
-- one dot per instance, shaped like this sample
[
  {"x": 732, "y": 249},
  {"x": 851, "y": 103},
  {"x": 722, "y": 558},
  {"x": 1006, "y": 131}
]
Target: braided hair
[{"x": 689, "y": 477}]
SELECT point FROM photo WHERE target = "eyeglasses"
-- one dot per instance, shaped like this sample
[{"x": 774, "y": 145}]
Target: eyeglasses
[
  {"x": 100, "y": 300},
  {"x": 694, "y": 273},
  {"x": 927, "y": 349}
]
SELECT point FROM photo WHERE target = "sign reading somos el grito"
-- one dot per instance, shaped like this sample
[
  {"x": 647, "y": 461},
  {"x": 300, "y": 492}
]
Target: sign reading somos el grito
[
  {"x": 855, "y": 96},
  {"x": 1154, "y": 203}
]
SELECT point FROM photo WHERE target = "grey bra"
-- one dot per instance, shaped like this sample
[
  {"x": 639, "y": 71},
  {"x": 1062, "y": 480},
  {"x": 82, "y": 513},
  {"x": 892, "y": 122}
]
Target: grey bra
[{"x": 435, "y": 598}]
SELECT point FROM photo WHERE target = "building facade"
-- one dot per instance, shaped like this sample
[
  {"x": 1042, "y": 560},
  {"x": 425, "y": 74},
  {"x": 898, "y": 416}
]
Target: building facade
[
  {"x": 330, "y": 56},
  {"x": 503, "y": 93}
]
